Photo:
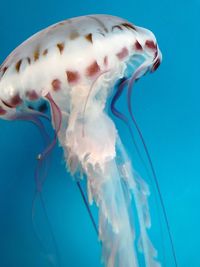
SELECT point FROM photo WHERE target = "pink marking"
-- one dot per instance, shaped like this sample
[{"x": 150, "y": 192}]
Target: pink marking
[
  {"x": 123, "y": 53},
  {"x": 2, "y": 111},
  {"x": 72, "y": 76},
  {"x": 56, "y": 84},
  {"x": 150, "y": 44},
  {"x": 137, "y": 46},
  {"x": 156, "y": 64},
  {"x": 32, "y": 95},
  {"x": 15, "y": 101},
  {"x": 93, "y": 69}
]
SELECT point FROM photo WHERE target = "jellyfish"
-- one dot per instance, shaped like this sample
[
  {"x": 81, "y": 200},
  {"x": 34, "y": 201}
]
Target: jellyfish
[{"x": 77, "y": 66}]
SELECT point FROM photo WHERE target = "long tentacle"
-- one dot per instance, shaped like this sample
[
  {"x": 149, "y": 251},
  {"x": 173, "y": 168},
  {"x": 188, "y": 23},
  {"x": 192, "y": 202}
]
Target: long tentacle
[
  {"x": 40, "y": 177},
  {"x": 87, "y": 207},
  {"x": 122, "y": 117},
  {"x": 130, "y": 88},
  {"x": 57, "y": 118},
  {"x": 146, "y": 243},
  {"x": 34, "y": 117}
]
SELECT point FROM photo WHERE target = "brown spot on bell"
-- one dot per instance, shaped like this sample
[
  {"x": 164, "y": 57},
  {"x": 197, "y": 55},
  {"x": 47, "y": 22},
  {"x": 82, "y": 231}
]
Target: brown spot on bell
[
  {"x": 88, "y": 37},
  {"x": 123, "y": 53},
  {"x": 18, "y": 64},
  {"x": 137, "y": 46},
  {"x": 72, "y": 76},
  {"x": 4, "y": 70},
  {"x": 15, "y": 100},
  {"x": 56, "y": 84},
  {"x": 61, "y": 47},
  {"x": 151, "y": 45},
  {"x": 32, "y": 95},
  {"x": 93, "y": 69},
  {"x": 45, "y": 52},
  {"x": 36, "y": 54}
]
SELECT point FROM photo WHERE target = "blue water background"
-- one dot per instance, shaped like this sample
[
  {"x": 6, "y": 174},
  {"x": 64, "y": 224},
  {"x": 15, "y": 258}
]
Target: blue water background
[{"x": 166, "y": 106}]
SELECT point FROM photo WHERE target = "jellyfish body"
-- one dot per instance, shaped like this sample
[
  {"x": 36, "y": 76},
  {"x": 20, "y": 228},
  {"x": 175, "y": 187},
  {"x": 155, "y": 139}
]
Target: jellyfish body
[{"x": 74, "y": 65}]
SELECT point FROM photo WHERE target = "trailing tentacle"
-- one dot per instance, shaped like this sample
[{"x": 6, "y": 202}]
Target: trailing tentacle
[
  {"x": 122, "y": 117},
  {"x": 40, "y": 175},
  {"x": 135, "y": 76}
]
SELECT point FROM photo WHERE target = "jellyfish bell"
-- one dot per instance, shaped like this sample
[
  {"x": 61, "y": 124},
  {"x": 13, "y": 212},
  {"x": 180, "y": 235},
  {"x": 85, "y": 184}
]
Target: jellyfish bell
[
  {"x": 81, "y": 52},
  {"x": 74, "y": 65}
]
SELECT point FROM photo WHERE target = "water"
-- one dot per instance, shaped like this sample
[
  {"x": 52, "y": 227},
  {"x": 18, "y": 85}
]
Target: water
[{"x": 166, "y": 105}]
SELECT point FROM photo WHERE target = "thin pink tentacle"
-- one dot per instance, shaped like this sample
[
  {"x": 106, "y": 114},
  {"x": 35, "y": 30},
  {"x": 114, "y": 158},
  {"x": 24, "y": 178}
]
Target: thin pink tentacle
[
  {"x": 57, "y": 119},
  {"x": 130, "y": 89},
  {"x": 33, "y": 118},
  {"x": 28, "y": 112}
]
